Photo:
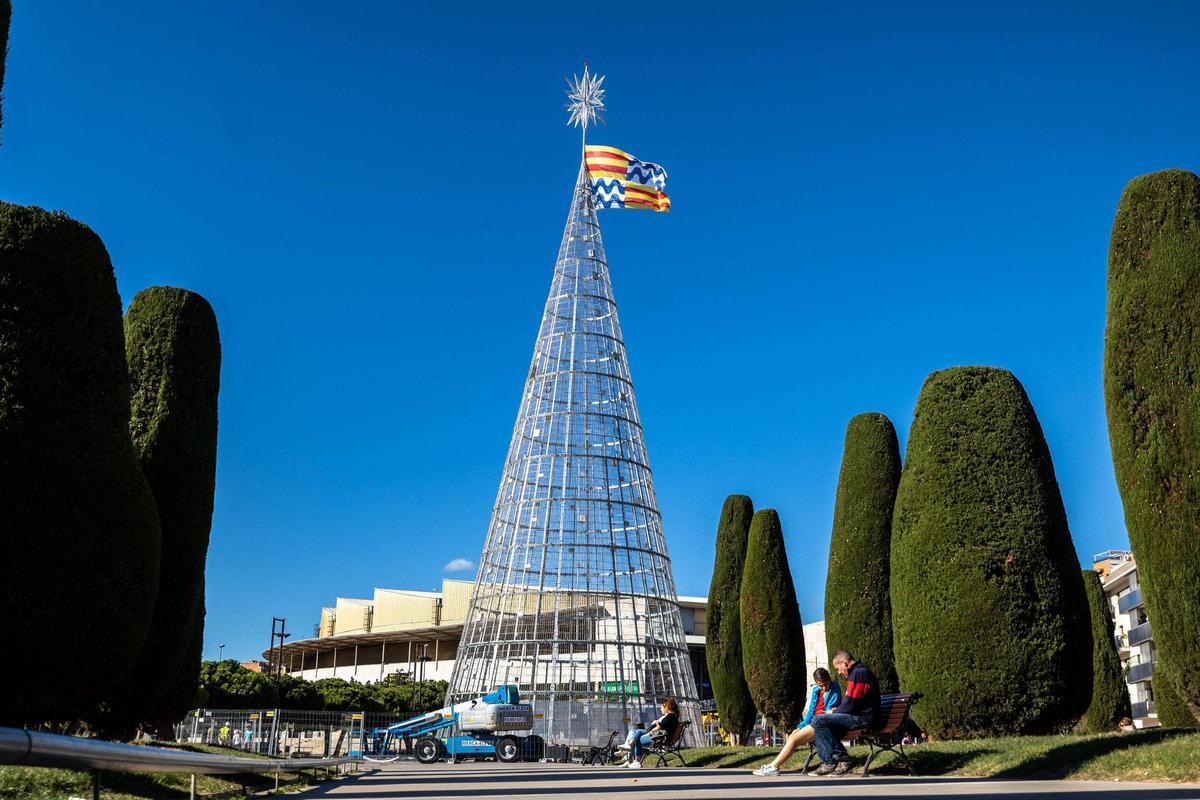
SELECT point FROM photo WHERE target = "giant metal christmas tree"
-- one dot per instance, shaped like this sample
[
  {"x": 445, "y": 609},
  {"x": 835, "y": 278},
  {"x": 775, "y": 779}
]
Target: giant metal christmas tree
[{"x": 574, "y": 599}]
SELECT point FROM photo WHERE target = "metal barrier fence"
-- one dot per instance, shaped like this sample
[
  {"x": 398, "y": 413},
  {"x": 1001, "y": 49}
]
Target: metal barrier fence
[
  {"x": 285, "y": 733},
  {"x": 37, "y": 749}
]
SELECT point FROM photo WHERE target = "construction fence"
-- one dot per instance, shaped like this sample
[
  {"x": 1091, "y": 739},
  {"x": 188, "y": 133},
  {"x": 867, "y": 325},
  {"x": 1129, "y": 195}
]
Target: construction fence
[{"x": 285, "y": 733}]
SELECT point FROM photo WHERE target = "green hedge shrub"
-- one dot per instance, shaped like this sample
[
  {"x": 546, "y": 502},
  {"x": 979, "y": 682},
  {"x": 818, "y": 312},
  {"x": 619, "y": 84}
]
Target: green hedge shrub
[
  {"x": 80, "y": 534},
  {"x": 1151, "y": 384},
  {"x": 174, "y": 352},
  {"x": 989, "y": 613},
  {"x": 772, "y": 633},
  {"x": 723, "y": 641},
  {"x": 1110, "y": 695},
  {"x": 858, "y": 606}
]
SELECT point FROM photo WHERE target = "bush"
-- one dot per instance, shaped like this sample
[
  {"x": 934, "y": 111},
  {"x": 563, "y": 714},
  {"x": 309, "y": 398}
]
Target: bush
[
  {"x": 858, "y": 606},
  {"x": 723, "y": 640},
  {"x": 1151, "y": 380},
  {"x": 989, "y": 613},
  {"x": 80, "y": 529},
  {"x": 1110, "y": 695},
  {"x": 174, "y": 353},
  {"x": 772, "y": 633}
]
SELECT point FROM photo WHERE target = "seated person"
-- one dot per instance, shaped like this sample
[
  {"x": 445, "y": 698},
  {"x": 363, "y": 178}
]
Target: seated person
[
  {"x": 860, "y": 709},
  {"x": 662, "y": 729},
  {"x": 824, "y": 698}
]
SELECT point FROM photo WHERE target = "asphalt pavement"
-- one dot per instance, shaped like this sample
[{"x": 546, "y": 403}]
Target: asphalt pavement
[{"x": 471, "y": 781}]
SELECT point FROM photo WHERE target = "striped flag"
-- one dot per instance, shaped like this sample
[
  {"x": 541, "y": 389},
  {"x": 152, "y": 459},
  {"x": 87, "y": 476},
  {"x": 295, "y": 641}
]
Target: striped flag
[{"x": 621, "y": 181}]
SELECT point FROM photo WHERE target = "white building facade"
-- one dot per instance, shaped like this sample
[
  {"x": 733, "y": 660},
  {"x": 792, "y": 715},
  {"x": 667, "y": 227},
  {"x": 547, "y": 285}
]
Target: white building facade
[{"x": 1118, "y": 574}]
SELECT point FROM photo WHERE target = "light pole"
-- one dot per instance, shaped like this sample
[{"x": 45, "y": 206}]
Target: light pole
[{"x": 221, "y": 652}]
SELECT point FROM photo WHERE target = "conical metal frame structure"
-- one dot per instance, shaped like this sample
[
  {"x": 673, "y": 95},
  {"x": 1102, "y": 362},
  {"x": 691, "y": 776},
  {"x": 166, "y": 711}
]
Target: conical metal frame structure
[{"x": 574, "y": 600}]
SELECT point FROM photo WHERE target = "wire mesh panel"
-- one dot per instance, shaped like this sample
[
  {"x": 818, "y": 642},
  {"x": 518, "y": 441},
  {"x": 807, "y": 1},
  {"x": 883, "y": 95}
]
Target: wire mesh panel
[{"x": 574, "y": 600}]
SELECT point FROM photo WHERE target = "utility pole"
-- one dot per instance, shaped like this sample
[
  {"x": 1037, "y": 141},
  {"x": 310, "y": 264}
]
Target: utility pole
[
  {"x": 278, "y": 631},
  {"x": 221, "y": 652}
]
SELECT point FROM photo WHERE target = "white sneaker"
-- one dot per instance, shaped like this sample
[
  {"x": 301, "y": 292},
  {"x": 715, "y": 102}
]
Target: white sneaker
[
  {"x": 635, "y": 765},
  {"x": 766, "y": 769},
  {"x": 625, "y": 746}
]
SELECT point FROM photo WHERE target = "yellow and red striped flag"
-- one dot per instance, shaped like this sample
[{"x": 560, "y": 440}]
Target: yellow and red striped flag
[{"x": 621, "y": 181}]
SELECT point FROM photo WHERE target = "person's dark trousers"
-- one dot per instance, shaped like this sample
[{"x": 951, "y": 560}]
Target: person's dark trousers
[{"x": 828, "y": 730}]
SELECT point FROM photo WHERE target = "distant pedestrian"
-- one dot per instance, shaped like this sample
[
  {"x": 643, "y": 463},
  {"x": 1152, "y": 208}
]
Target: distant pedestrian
[
  {"x": 237, "y": 737},
  {"x": 223, "y": 734},
  {"x": 248, "y": 739}
]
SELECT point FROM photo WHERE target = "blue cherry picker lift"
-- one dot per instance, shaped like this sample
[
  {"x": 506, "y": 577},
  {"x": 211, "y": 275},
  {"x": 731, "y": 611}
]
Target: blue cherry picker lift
[{"x": 484, "y": 728}]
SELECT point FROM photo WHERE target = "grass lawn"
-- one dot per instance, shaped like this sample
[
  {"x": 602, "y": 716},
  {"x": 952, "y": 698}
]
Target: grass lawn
[
  {"x": 37, "y": 783},
  {"x": 1148, "y": 755}
]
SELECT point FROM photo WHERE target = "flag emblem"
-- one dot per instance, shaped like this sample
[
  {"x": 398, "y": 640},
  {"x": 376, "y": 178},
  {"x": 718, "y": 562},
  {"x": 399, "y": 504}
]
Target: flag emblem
[{"x": 621, "y": 181}]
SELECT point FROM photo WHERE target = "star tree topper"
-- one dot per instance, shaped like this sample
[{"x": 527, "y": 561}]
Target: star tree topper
[{"x": 587, "y": 99}]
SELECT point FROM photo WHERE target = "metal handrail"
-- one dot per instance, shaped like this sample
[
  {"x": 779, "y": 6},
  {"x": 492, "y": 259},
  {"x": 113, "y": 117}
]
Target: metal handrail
[{"x": 38, "y": 749}]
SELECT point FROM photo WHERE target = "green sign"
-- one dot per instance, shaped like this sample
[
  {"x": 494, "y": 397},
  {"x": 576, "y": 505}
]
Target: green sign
[{"x": 619, "y": 687}]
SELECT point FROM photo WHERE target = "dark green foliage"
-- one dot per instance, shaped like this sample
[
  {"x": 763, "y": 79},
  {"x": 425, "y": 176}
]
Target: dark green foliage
[
  {"x": 5, "y": 19},
  {"x": 1110, "y": 695},
  {"x": 226, "y": 684},
  {"x": 80, "y": 532},
  {"x": 990, "y": 618},
  {"x": 1172, "y": 711},
  {"x": 858, "y": 608},
  {"x": 180, "y": 695},
  {"x": 1151, "y": 386},
  {"x": 772, "y": 633},
  {"x": 723, "y": 641},
  {"x": 174, "y": 354}
]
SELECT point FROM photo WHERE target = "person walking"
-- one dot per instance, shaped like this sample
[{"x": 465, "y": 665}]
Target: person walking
[{"x": 859, "y": 709}]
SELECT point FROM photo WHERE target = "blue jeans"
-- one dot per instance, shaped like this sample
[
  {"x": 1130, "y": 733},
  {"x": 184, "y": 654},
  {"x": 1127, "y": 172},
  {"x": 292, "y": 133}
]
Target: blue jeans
[
  {"x": 828, "y": 730},
  {"x": 637, "y": 741}
]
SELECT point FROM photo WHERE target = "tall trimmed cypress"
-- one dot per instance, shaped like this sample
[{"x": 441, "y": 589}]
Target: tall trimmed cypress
[
  {"x": 80, "y": 532},
  {"x": 989, "y": 613},
  {"x": 1172, "y": 711},
  {"x": 723, "y": 640},
  {"x": 1151, "y": 383},
  {"x": 174, "y": 352},
  {"x": 772, "y": 633},
  {"x": 1110, "y": 695},
  {"x": 858, "y": 607}
]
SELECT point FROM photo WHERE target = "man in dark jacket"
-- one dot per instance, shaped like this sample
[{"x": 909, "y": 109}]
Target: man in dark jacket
[{"x": 859, "y": 709}]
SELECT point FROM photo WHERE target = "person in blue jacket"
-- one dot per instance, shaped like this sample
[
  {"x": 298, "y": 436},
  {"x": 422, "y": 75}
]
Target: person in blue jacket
[{"x": 826, "y": 695}]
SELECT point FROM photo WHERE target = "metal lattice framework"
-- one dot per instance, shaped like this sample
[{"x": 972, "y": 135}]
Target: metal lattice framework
[{"x": 574, "y": 600}]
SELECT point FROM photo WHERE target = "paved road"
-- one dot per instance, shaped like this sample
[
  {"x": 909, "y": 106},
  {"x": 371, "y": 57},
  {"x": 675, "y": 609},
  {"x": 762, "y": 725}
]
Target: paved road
[{"x": 544, "y": 781}]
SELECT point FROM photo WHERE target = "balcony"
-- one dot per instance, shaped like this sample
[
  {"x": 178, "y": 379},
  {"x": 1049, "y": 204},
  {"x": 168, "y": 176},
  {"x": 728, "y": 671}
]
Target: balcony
[
  {"x": 1130, "y": 601},
  {"x": 1143, "y": 710},
  {"x": 1139, "y": 634},
  {"x": 1140, "y": 672}
]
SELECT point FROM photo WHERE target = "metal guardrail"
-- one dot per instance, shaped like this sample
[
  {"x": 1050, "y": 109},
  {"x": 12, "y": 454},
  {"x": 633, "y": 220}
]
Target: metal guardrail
[{"x": 37, "y": 749}]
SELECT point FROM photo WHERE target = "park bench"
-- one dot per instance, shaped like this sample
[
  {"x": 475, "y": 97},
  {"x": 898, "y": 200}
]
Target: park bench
[
  {"x": 604, "y": 754},
  {"x": 666, "y": 749},
  {"x": 893, "y": 711}
]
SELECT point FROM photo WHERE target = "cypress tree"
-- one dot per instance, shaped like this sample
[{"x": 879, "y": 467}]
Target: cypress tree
[
  {"x": 858, "y": 607},
  {"x": 1110, "y": 695},
  {"x": 80, "y": 532},
  {"x": 989, "y": 613},
  {"x": 772, "y": 633},
  {"x": 174, "y": 354},
  {"x": 1151, "y": 381},
  {"x": 1169, "y": 706},
  {"x": 723, "y": 638},
  {"x": 180, "y": 695}
]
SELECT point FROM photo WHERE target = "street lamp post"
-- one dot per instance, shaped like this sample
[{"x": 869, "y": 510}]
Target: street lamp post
[{"x": 221, "y": 652}]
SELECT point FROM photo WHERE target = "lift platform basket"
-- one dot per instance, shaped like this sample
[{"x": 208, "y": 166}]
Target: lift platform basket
[{"x": 496, "y": 717}]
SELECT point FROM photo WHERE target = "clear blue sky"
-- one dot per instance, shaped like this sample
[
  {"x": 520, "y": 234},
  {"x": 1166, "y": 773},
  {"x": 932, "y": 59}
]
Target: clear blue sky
[{"x": 371, "y": 196}]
